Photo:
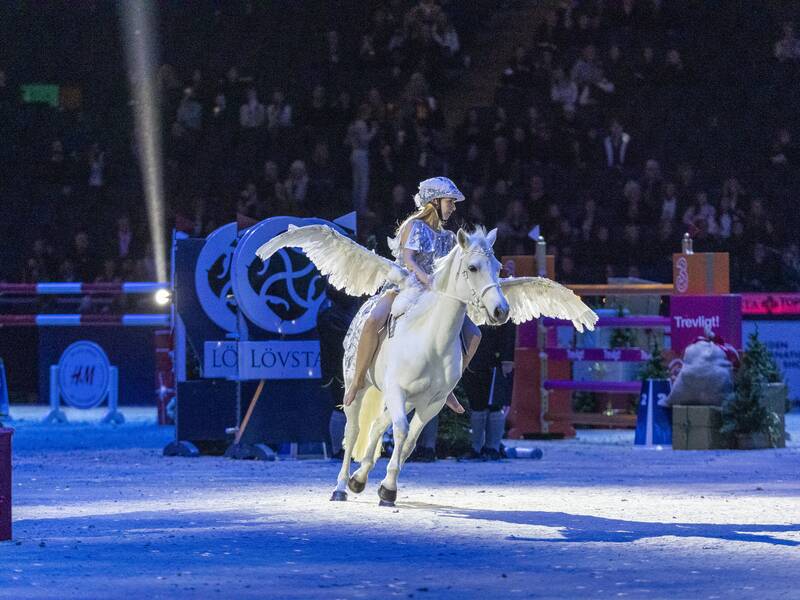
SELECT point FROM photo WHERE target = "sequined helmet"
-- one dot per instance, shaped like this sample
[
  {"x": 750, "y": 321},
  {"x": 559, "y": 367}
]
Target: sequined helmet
[{"x": 436, "y": 187}]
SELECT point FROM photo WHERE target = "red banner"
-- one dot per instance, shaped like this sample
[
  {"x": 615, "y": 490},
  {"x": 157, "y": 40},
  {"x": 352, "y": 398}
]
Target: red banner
[{"x": 787, "y": 304}]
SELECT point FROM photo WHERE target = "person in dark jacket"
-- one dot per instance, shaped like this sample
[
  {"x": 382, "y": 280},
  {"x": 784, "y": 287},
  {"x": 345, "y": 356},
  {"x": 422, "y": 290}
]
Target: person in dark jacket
[
  {"x": 488, "y": 384},
  {"x": 332, "y": 323}
]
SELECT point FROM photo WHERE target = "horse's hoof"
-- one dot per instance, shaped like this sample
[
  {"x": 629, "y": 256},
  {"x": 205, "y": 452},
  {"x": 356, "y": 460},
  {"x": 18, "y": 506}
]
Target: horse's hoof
[
  {"x": 338, "y": 496},
  {"x": 387, "y": 496},
  {"x": 355, "y": 485}
]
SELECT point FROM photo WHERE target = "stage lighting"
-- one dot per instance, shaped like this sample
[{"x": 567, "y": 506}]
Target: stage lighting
[
  {"x": 140, "y": 37},
  {"x": 162, "y": 297}
]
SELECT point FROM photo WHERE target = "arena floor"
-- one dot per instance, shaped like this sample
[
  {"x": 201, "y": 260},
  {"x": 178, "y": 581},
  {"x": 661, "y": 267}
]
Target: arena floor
[{"x": 99, "y": 513}]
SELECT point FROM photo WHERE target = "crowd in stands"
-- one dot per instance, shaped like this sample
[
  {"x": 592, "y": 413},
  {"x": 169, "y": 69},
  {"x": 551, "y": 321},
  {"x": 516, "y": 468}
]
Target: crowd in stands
[
  {"x": 624, "y": 124},
  {"x": 618, "y": 126}
]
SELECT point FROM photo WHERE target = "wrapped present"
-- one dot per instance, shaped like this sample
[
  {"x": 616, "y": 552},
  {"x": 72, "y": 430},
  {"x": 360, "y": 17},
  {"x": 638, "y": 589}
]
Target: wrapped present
[{"x": 697, "y": 428}]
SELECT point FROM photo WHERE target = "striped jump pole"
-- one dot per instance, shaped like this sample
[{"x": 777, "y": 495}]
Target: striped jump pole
[
  {"x": 632, "y": 322},
  {"x": 82, "y": 289},
  {"x": 78, "y": 320}
]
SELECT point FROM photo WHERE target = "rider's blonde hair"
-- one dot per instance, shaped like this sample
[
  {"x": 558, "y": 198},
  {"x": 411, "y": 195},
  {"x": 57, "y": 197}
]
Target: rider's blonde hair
[{"x": 428, "y": 214}]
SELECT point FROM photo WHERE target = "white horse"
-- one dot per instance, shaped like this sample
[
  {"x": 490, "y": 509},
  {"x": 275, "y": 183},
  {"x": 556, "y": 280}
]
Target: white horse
[{"x": 420, "y": 362}]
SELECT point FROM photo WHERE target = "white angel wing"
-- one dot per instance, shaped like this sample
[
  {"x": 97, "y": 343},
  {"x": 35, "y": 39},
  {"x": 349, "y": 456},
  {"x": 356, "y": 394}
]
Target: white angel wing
[
  {"x": 533, "y": 297},
  {"x": 349, "y": 266}
]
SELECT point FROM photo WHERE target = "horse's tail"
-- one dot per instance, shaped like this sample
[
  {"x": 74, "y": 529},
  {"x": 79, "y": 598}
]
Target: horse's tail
[{"x": 371, "y": 407}]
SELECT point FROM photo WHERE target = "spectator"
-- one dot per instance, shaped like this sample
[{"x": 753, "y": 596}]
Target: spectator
[
  {"x": 761, "y": 272},
  {"x": 124, "y": 243},
  {"x": 788, "y": 47},
  {"x": 512, "y": 231},
  {"x": 83, "y": 258},
  {"x": 279, "y": 112},
  {"x": 190, "y": 112},
  {"x": 563, "y": 91},
  {"x": 701, "y": 216},
  {"x": 617, "y": 147},
  {"x": 252, "y": 113},
  {"x": 296, "y": 185},
  {"x": 790, "y": 267},
  {"x": 359, "y": 136},
  {"x": 586, "y": 69},
  {"x": 669, "y": 204}
]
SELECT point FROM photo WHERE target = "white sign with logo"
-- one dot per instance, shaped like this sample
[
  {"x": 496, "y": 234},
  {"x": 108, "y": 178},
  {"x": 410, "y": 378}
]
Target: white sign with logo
[
  {"x": 262, "y": 360},
  {"x": 212, "y": 277},
  {"x": 284, "y": 295},
  {"x": 84, "y": 378},
  {"x": 83, "y": 374}
]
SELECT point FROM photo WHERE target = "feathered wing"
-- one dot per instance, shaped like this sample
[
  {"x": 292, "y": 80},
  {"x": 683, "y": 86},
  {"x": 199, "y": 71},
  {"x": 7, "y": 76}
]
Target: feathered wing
[
  {"x": 349, "y": 266},
  {"x": 533, "y": 297}
]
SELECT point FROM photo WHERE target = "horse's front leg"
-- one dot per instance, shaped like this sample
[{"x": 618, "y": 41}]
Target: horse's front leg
[
  {"x": 396, "y": 405},
  {"x": 358, "y": 481},
  {"x": 350, "y": 437},
  {"x": 388, "y": 489}
]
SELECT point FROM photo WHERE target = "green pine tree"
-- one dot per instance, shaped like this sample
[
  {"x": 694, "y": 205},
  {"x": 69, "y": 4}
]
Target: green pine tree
[
  {"x": 622, "y": 337},
  {"x": 743, "y": 412},
  {"x": 654, "y": 368},
  {"x": 758, "y": 362},
  {"x": 453, "y": 437}
]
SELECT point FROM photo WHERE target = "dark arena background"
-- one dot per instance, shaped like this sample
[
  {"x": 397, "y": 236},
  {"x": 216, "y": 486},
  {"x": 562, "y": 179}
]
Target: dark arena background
[{"x": 171, "y": 404}]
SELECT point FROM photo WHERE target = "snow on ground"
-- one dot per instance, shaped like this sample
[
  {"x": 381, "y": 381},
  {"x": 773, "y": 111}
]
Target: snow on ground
[{"x": 99, "y": 513}]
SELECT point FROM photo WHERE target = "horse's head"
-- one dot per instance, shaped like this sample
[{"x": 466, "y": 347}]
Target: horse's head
[{"x": 477, "y": 280}]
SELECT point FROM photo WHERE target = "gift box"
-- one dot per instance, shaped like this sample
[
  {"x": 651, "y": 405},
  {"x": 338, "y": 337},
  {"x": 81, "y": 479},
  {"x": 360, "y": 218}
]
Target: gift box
[
  {"x": 701, "y": 273},
  {"x": 697, "y": 428}
]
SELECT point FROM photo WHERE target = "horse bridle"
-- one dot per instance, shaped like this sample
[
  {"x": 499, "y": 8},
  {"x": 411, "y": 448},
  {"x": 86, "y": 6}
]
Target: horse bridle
[{"x": 476, "y": 300}]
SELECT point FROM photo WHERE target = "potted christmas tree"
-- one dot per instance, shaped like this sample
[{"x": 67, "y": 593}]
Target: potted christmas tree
[
  {"x": 654, "y": 368},
  {"x": 753, "y": 416}
]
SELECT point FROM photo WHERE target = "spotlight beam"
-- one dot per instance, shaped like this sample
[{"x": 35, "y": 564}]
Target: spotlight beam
[{"x": 140, "y": 39}]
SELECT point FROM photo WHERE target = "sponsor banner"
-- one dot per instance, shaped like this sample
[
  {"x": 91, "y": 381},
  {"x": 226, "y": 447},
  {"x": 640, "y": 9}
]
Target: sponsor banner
[
  {"x": 130, "y": 350},
  {"x": 782, "y": 338},
  {"x": 83, "y": 374},
  {"x": 262, "y": 360},
  {"x": 220, "y": 359},
  {"x": 690, "y": 316},
  {"x": 778, "y": 304},
  {"x": 598, "y": 354}
]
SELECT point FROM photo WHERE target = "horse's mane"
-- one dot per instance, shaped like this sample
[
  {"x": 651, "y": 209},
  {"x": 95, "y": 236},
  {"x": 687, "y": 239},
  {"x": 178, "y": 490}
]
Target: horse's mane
[
  {"x": 442, "y": 265},
  {"x": 441, "y": 274}
]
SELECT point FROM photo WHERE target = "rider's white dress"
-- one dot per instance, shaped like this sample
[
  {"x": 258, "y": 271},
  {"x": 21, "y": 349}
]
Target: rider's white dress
[{"x": 429, "y": 245}]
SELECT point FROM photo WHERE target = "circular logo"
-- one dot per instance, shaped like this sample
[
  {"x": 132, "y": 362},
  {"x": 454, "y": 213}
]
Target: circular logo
[
  {"x": 284, "y": 295},
  {"x": 212, "y": 277},
  {"x": 682, "y": 280},
  {"x": 83, "y": 374}
]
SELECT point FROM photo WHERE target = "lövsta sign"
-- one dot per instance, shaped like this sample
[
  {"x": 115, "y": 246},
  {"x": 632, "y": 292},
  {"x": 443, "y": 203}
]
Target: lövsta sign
[{"x": 262, "y": 359}]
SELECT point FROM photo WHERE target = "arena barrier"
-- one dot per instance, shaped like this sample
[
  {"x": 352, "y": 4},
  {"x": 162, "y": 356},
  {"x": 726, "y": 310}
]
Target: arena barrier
[
  {"x": 553, "y": 353},
  {"x": 544, "y": 374},
  {"x": 133, "y": 360}
]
